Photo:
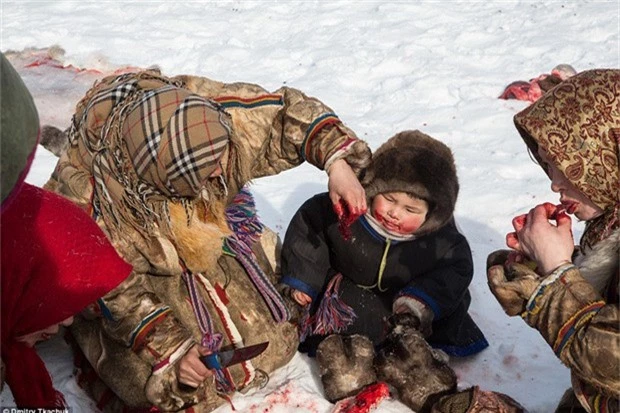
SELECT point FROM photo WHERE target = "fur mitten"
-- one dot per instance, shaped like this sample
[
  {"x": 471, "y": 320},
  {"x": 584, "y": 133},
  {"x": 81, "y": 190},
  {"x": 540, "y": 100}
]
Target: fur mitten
[
  {"x": 54, "y": 140},
  {"x": 406, "y": 362},
  {"x": 512, "y": 283},
  {"x": 345, "y": 365},
  {"x": 474, "y": 400}
]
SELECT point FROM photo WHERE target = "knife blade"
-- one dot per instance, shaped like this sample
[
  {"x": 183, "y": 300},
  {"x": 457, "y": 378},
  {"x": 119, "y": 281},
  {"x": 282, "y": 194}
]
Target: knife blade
[{"x": 222, "y": 359}]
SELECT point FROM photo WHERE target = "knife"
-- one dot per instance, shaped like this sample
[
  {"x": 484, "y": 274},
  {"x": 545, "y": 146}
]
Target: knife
[{"x": 222, "y": 359}]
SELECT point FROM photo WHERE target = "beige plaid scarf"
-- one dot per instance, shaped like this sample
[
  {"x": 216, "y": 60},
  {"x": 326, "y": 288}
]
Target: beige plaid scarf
[{"x": 149, "y": 141}]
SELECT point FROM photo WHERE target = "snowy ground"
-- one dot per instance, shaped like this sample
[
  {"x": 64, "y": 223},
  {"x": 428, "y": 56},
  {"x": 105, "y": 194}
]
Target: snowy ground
[{"x": 383, "y": 67}]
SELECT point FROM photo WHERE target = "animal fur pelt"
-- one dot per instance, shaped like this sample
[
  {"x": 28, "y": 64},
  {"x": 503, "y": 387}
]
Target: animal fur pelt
[
  {"x": 475, "y": 400},
  {"x": 416, "y": 372},
  {"x": 54, "y": 140},
  {"x": 345, "y": 364}
]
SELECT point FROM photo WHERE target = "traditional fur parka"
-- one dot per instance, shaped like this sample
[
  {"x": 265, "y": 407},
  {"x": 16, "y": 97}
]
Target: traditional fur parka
[
  {"x": 180, "y": 236},
  {"x": 372, "y": 271},
  {"x": 576, "y": 307}
]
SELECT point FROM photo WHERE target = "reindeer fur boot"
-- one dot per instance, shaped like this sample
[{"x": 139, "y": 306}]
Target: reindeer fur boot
[
  {"x": 418, "y": 375},
  {"x": 54, "y": 140},
  {"x": 475, "y": 400},
  {"x": 345, "y": 365}
]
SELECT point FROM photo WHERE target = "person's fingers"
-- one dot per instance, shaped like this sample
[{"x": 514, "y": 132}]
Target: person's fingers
[
  {"x": 518, "y": 222},
  {"x": 363, "y": 205},
  {"x": 564, "y": 220},
  {"x": 550, "y": 210},
  {"x": 496, "y": 276},
  {"x": 194, "y": 364},
  {"x": 203, "y": 351},
  {"x": 514, "y": 257},
  {"x": 355, "y": 199},
  {"x": 359, "y": 198},
  {"x": 189, "y": 377},
  {"x": 199, "y": 369},
  {"x": 401, "y": 309},
  {"x": 352, "y": 202},
  {"x": 301, "y": 298},
  {"x": 337, "y": 205},
  {"x": 189, "y": 382},
  {"x": 538, "y": 214},
  {"x": 565, "y": 224},
  {"x": 512, "y": 241}
]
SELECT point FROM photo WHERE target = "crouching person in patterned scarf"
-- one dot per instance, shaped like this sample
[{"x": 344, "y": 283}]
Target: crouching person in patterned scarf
[
  {"x": 570, "y": 294},
  {"x": 161, "y": 164}
]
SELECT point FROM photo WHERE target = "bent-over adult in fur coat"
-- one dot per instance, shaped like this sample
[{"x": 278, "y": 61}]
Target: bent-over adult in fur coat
[{"x": 160, "y": 164}]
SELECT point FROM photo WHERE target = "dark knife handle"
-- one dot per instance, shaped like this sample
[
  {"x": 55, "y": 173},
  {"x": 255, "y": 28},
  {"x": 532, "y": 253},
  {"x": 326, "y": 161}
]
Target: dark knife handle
[{"x": 212, "y": 361}]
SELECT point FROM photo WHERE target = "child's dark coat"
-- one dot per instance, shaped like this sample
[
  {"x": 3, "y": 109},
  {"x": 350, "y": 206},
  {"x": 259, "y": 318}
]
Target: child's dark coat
[{"x": 435, "y": 269}]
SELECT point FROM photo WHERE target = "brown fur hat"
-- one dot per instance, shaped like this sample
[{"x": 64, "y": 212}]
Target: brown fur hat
[{"x": 417, "y": 164}]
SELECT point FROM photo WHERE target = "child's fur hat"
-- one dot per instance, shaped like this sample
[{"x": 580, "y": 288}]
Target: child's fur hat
[{"x": 417, "y": 164}]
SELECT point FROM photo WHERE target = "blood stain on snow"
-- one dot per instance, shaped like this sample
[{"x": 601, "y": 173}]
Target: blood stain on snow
[
  {"x": 286, "y": 397},
  {"x": 510, "y": 360}
]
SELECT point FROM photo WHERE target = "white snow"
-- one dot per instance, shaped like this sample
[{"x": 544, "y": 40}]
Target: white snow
[{"x": 383, "y": 67}]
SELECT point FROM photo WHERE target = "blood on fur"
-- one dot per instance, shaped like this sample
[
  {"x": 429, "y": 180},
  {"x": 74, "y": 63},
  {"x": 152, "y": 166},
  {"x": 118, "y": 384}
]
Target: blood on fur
[
  {"x": 346, "y": 217},
  {"x": 365, "y": 401}
]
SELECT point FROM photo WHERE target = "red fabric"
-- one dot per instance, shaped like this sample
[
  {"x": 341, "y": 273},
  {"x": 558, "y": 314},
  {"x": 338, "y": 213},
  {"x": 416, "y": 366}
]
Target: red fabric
[{"x": 55, "y": 261}]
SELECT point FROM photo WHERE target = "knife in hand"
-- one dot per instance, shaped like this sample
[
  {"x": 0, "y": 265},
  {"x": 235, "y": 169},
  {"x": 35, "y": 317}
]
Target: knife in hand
[{"x": 222, "y": 359}]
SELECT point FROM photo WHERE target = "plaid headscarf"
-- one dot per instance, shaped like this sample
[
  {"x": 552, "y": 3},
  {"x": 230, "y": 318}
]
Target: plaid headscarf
[
  {"x": 577, "y": 123},
  {"x": 148, "y": 141},
  {"x": 175, "y": 140}
]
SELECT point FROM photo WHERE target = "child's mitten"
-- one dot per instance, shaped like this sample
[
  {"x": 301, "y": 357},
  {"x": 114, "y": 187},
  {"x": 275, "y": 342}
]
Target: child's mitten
[
  {"x": 345, "y": 365},
  {"x": 408, "y": 364}
]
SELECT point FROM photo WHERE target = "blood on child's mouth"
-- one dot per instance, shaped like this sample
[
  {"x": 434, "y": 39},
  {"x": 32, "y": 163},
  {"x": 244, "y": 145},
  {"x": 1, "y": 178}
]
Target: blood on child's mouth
[{"x": 388, "y": 225}]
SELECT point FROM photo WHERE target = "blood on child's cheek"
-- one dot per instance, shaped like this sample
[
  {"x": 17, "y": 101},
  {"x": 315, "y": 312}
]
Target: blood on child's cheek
[
  {"x": 406, "y": 226},
  {"x": 411, "y": 226}
]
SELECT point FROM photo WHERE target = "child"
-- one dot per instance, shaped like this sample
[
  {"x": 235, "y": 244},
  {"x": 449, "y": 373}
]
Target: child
[{"x": 404, "y": 255}]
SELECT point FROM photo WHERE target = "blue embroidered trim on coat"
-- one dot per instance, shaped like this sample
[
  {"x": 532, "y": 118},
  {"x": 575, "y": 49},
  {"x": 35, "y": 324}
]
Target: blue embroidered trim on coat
[
  {"x": 300, "y": 286},
  {"x": 463, "y": 351}
]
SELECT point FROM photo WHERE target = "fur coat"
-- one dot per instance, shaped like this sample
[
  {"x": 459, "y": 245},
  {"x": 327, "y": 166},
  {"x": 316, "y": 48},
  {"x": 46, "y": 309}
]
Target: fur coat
[{"x": 149, "y": 323}]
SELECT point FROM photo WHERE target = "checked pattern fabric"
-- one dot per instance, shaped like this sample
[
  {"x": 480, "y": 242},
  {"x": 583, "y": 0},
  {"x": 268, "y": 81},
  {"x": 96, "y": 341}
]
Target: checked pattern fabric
[{"x": 147, "y": 140}]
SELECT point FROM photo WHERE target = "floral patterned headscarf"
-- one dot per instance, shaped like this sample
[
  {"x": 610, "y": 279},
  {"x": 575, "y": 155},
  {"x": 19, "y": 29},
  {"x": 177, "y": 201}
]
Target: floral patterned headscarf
[{"x": 577, "y": 123}]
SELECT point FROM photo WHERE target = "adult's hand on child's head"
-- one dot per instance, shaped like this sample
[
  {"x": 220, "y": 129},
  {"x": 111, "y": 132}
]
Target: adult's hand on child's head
[
  {"x": 344, "y": 185},
  {"x": 536, "y": 238},
  {"x": 191, "y": 371},
  {"x": 301, "y": 298}
]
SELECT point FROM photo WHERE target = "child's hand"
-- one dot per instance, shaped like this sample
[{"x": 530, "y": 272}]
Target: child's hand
[
  {"x": 302, "y": 299},
  {"x": 413, "y": 320}
]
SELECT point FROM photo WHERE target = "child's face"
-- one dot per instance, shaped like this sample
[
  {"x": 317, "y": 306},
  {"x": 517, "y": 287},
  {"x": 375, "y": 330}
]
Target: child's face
[
  {"x": 398, "y": 212},
  {"x": 42, "y": 335}
]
